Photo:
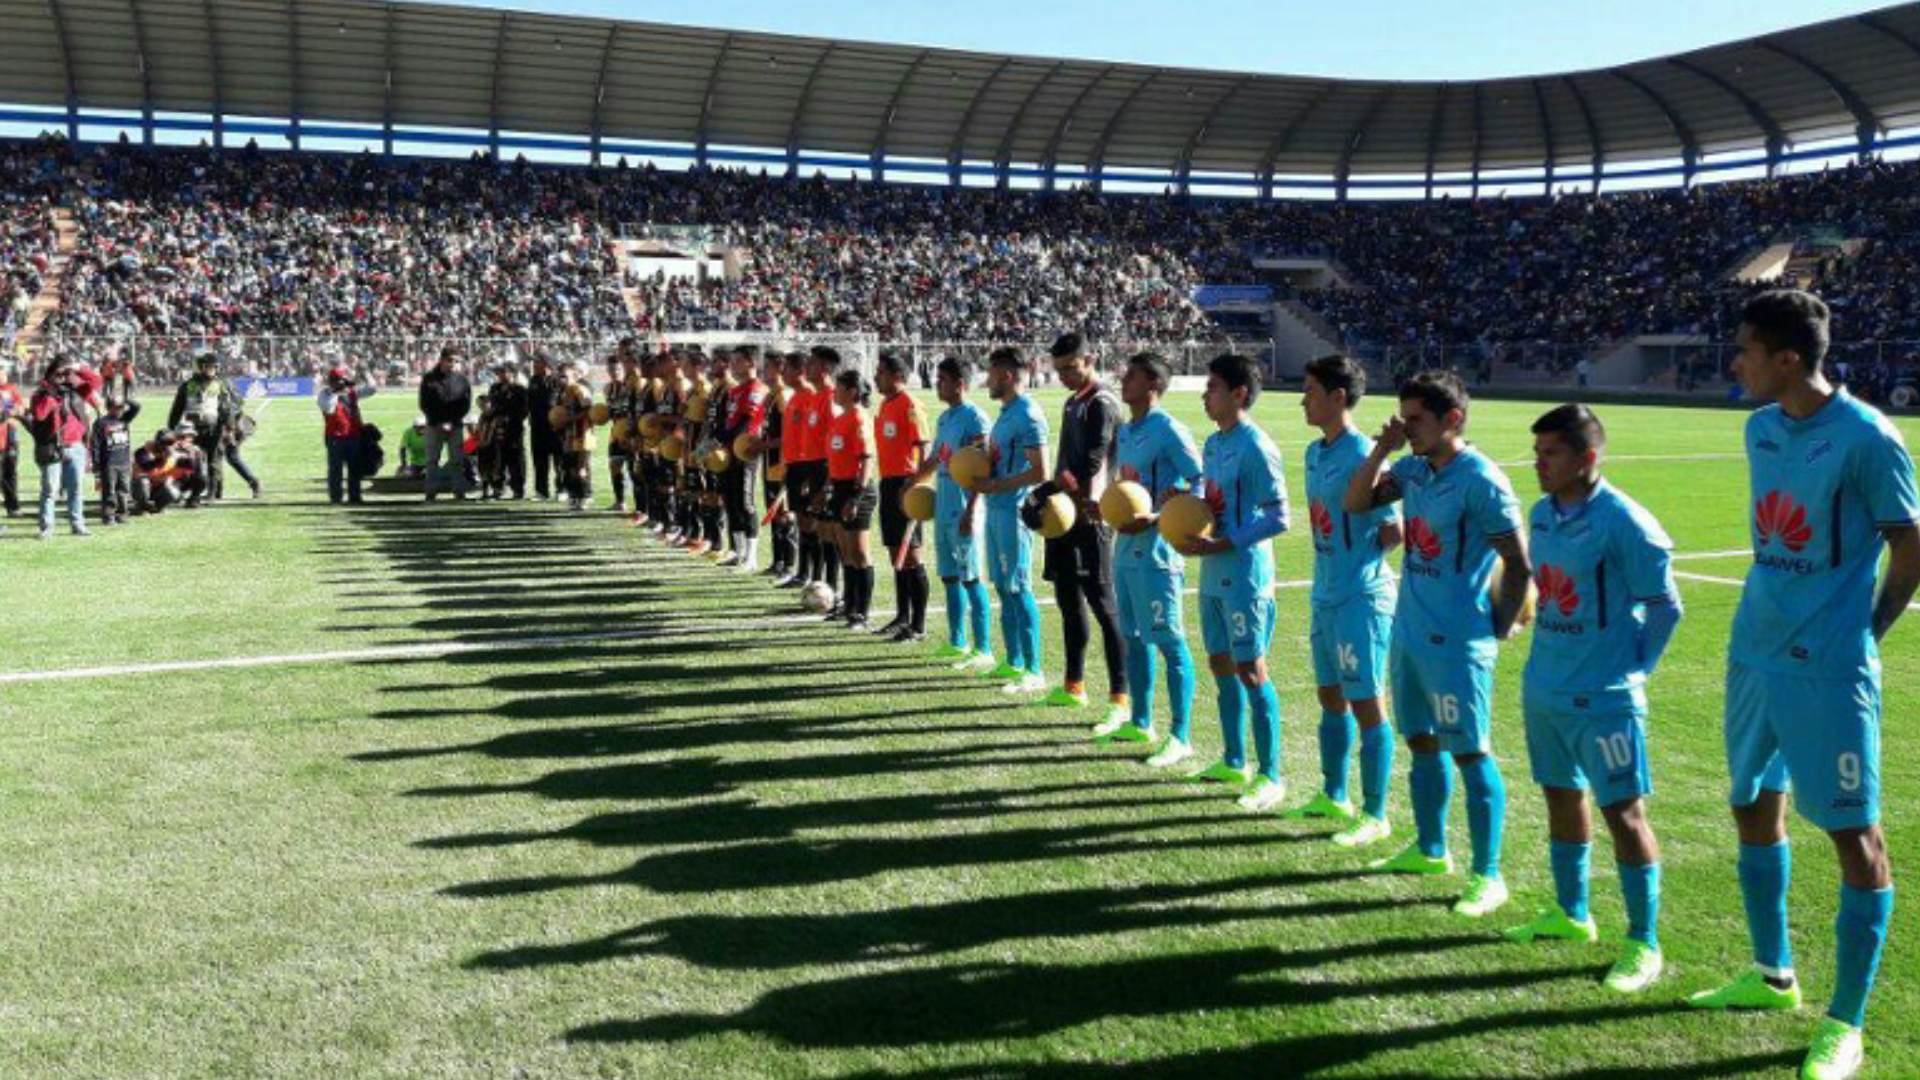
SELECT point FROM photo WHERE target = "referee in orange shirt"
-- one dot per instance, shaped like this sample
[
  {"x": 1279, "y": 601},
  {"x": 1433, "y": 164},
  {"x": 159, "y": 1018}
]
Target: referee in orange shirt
[{"x": 901, "y": 434}]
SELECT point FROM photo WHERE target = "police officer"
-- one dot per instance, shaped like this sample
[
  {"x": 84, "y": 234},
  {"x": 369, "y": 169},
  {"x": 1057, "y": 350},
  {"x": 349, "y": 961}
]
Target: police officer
[{"x": 207, "y": 402}]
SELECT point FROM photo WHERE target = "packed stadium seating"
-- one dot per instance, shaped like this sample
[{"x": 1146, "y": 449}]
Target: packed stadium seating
[
  {"x": 187, "y": 242},
  {"x": 26, "y": 232}
]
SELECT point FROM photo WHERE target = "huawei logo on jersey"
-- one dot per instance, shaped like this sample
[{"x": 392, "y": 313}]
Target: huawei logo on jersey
[
  {"x": 1556, "y": 588},
  {"x": 1778, "y": 515},
  {"x": 1420, "y": 539},
  {"x": 1322, "y": 520}
]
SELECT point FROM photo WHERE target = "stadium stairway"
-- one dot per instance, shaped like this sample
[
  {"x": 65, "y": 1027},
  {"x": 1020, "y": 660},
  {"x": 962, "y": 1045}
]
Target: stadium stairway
[
  {"x": 1767, "y": 264},
  {"x": 1300, "y": 334},
  {"x": 47, "y": 301},
  {"x": 623, "y": 251}
]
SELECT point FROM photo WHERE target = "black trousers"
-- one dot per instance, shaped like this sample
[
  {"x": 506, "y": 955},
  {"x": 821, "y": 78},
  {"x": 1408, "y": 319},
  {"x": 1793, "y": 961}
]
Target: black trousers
[
  {"x": 546, "y": 467},
  {"x": 10, "y": 481},
  {"x": 232, "y": 452},
  {"x": 116, "y": 492},
  {"x": 209, "y": 442},
  {"x": 577, "y": 478}
]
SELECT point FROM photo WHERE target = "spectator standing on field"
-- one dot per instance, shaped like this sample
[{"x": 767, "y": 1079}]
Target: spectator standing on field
[
  {"x": 543, "y": 393},
  {"x": 340, "y": 412},
  {"x": 13, "y": 427},
  {"x": 445, "y": 399},
  {"x": 112, "y": 445},
  {"x": 60, "y": 408}
]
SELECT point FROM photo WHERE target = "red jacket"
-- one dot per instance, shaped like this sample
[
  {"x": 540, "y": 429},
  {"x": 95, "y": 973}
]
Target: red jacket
[
  {"x": 12, "y": 407},
  {"x": 747, "y": 408},
  {"x": 58, "y": 405}
]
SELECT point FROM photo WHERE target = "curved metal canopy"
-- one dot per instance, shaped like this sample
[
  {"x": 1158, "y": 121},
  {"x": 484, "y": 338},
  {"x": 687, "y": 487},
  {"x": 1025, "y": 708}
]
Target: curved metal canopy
[{"x": 414, "y": 65}]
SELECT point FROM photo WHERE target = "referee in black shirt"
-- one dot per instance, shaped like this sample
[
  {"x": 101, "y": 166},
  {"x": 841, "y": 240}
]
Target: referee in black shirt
[{"x": 1080, "y": 564}]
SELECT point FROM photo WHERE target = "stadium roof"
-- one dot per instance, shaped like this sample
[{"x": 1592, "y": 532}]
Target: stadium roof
[{"x": 403, "y": 64}]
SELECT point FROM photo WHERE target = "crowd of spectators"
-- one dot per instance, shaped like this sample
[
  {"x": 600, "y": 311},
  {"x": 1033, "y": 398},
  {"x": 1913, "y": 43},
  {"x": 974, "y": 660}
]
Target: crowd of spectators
[
  {"x": 28, "y": 184},
  {"x": 212, "y": 246}
]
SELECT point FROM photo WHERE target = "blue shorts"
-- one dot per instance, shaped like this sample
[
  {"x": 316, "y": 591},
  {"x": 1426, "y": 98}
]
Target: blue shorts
[
  {"x": 957, "y": 556},
  {"x": 1594, "y": 742},
  {"x": 1009, "y": 551},
  {"x": 1149, "y": 602},
  {"x": 1240, "y": 626},
  {"x": 1349, "y": 644},
  {"x": 1444, "y": 693},
  {"x": 1819, "y": 738}
]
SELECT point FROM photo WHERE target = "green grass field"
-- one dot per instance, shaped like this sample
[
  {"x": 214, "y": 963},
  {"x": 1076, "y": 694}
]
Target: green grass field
[{"x": 715, "y": 840}]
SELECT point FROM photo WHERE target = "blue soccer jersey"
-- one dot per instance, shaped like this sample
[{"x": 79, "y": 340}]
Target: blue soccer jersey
[
  {"x": 959, "y": 427},
  {"x": 1597, "y": 566},
  {"x": 1244, "y": 482},
  {"x": 1019, "y": 428},
  {"x": 1347, "y": 560},
  {"x": 1156, "y": 452},
  {"x": 1452, "y": 517},
  {"x": 1822, "y": 489}
]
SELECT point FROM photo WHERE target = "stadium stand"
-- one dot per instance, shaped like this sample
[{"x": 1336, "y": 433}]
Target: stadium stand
[{"x": 192, "y": 243}]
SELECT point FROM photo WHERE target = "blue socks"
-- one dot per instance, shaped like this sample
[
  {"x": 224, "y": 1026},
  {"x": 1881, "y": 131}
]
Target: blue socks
[
  {"x": 1376, "y": 768},
  {"x": 1431, "y": 787},
  {"x": 1570, "y": 861},
  {"x": 1140, "y": 667},
  {"x": 957, "y": 614},
  {"x": 1179, "y": 688},
  {"x": 1641, "y": 887},
  {"x": 1140, "y": 681},
  {"x": 1860, "y": 931},
  {"x": 1336, "y": 746},
  {"x": 1486, "y": 812},
  {"x": 978, "y": 612},
  {"x": 1764, "y": 873},
  {"x": 1013, "y": 637},
  {"x": 1030, "y": 622},
  {"x": 1266, "y": 728},
  {"x": 1233, "y": 710}
]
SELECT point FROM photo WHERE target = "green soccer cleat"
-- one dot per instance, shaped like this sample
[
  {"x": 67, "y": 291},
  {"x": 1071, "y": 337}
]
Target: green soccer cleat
[
  {"x": 1836, "y": 1052},
  {"x": 1131, "y": 732},
  {"x": 1639, "y": 965},
  {"x": 1321, "y": 807},
  {"x": 1222, "y": 773},
  {"x": 1063, "y": 698},
  {"x": 1554, "y": 923},
  {"x": 1005, "y": 673},
  {"x": 1171, "y": 753},
  {"x": 1365, "y": 830},
  {"x": 1265, "y": 795},
  {"x": 1750, "y": 991},
  {"x": 951, "y": 652},
  {"x": 1411, "y": 860}
]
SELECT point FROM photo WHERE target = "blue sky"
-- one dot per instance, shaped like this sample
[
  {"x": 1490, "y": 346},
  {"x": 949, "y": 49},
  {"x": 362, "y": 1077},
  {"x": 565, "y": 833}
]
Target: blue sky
[{"x": 1407, "y": 39}]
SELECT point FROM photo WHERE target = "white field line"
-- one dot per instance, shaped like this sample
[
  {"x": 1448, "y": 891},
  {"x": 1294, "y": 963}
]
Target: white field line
[{"x": 455, "y": 648}]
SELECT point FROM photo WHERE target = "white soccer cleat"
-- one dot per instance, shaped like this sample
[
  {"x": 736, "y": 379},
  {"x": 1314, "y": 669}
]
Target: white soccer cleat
[
  {"x": 1030, "y": 683},
  {"x": 1171, "y": 753},
  {"x": 1365, "y": 830},
  {"x": 1263, "y": 796}
]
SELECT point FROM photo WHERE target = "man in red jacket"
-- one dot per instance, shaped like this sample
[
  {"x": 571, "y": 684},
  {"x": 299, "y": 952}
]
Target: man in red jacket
[
  {"x": 13, "y": 431},
  {"x": 59, "y": 424},
  {"x": 340, "y": 415}
]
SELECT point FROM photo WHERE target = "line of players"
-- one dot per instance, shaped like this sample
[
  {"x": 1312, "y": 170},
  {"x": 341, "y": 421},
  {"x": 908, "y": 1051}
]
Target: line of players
[{"x": 1832, "y": 487}]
